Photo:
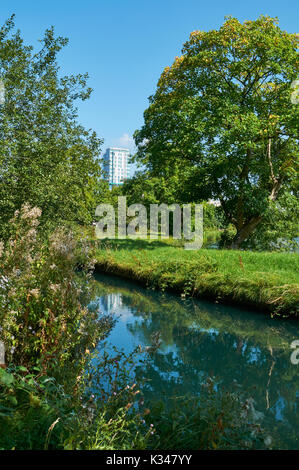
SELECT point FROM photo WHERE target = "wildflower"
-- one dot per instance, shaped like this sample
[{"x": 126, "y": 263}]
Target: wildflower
[
  {"x": 30, "y": 213},
  {"x": 34, "y": 293},
  {"x": 3, "y": 281},
  {"x": 12, "y": 292},
  {"x": 54, "y": 287},
  {"x": 32, "y": 234}
]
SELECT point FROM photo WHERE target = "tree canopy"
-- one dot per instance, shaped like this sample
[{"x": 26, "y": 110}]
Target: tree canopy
[
  {"x": 224, "y": 114},
  {"x": 46, "y": 158}
]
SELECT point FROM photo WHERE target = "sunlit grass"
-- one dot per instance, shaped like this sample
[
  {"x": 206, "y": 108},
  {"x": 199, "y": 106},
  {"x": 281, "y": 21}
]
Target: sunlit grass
[{"x": 264, "y": 280}]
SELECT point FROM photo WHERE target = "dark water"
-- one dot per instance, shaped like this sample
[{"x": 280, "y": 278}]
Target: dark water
[{"x": 244, "y": 351}]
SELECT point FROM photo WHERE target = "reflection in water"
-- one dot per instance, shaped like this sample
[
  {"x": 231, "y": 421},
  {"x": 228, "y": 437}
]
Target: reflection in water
[{"x": 245, "y": 351}]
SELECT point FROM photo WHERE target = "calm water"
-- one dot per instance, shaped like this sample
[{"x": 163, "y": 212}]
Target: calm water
[{"x": 245, "y": 351}]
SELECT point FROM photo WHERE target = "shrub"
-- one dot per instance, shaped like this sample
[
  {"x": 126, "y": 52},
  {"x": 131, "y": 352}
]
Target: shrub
[{"x": 42, "y": 317}]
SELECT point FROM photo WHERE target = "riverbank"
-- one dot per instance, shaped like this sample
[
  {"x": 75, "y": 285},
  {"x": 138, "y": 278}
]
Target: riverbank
[{"x": 265, "y": 281}]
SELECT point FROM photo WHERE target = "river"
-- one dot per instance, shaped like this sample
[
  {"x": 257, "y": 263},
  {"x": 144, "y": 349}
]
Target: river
[{"x": 243, "y": 351}]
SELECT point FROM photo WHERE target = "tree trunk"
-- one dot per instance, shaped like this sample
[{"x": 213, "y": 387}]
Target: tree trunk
[{"x": 245, "y": 231}]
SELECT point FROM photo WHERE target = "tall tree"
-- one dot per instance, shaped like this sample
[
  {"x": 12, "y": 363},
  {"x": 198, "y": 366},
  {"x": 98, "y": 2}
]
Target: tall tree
[
  {"x": 224, "y": 112},
  {"x": 46, "y": 158}
]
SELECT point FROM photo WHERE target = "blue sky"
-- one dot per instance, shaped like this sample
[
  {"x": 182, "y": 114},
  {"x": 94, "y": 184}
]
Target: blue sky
[{"x": 125, "y": 44}]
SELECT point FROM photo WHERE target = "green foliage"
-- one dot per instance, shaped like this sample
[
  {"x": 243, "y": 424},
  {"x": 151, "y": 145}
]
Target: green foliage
[
  {"x": 46, "y": 158},
  {"x": 41, "y": 315},
  {"x": 121, "y": 432},
  {"x": 147, "y": 189},
  {"x": 31, "y": 407},
  {"x": 279, "y": 230},
  {"x": 227, "y": 236},
  {"x": 36, "y": 412},
  {"x": 213, "y": 217},
  {"x": 222, "y": 115},
  {"x": 49, "y": 333},
  {"x": 113, "y": 414}
]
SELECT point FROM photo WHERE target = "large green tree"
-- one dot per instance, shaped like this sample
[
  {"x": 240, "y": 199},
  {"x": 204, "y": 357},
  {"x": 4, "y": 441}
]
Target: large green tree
[
  {"x": 46, "y": 158},
  {"x": 225, "y": 113}
]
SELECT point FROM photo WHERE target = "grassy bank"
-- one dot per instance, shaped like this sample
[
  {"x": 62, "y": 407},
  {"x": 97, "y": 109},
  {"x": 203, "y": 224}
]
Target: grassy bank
[{"x": 265, "y": 281}]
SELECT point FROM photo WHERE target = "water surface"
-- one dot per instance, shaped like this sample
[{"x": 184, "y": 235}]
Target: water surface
[{"x": 243, "y": 350}]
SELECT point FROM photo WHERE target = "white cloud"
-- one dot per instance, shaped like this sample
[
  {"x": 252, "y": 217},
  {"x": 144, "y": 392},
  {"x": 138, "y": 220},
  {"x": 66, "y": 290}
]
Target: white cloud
[{"x": 126, "y": 141}]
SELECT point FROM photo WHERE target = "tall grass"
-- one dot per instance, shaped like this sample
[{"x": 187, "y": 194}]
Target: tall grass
[{"x": 264, "y": 280}]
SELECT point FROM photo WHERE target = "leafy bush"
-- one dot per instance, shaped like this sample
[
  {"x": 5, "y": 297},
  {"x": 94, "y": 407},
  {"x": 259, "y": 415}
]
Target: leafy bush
[
  {"x": 36, "y": 412},
  {"x": 279, "y": 230},
  {"x": 41, "y": 313},
  {"x": 227, "y": 236},
  {"x": 31, "y": 408}
]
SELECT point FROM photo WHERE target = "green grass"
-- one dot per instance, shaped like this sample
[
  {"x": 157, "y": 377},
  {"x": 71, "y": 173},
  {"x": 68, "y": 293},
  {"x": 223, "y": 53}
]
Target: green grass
[{"x": 263, "y": 280}]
